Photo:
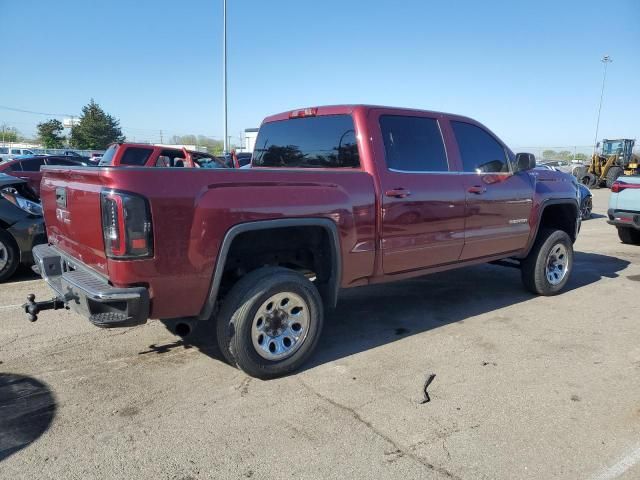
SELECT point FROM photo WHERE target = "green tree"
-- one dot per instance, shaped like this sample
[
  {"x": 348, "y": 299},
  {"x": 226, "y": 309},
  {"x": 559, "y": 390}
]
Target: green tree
[
  {"x": 96, "y": 129},
  {"x": 50, "y": 134},
  {"x": 8, "y": 134},
  {"x": 581, "y": 157},
  {"x": 213, "y": 146},
  {"x": 549, "y": 154}
]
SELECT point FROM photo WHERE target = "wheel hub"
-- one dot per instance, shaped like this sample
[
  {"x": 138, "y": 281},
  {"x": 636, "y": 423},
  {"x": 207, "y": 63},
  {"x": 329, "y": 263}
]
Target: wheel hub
[
  {"x": 557, "y": 264},
  {"x": 280, "y": 326}
]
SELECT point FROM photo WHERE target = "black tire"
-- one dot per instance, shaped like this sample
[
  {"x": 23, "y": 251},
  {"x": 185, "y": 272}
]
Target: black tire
[
  {"x": 629, "y": 235},
  {"x": 612, "y": 175},
  {"x": 240, "y": 308},
  {"x": 587, "y": 208},
  {"x": 579, "y": 173},
  {"x": 533, "y": 267},
  {"x": 9, "y": 255}
]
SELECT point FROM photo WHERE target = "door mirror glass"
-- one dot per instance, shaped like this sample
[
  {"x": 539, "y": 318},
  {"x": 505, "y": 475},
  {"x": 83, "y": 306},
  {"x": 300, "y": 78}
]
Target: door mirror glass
[{"x": 525, "y": 161}]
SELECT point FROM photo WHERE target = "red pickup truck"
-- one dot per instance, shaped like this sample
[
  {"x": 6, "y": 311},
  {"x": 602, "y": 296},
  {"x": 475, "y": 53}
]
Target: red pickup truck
[{"x": 336, "y": 197}]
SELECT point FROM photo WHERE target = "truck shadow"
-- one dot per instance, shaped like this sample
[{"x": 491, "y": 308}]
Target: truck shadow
[
  {"x": 372, "y": 316},
  {"x": 27, "y": 408},
  {"x": 368, "y": 317}
]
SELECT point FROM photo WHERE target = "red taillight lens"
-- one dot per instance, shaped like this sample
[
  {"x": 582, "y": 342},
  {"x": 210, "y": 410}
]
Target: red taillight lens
[
  {"x": 304, "y": 112},
  {"x": 617, "y": 187},
  {"x": 126, "y": 225}
]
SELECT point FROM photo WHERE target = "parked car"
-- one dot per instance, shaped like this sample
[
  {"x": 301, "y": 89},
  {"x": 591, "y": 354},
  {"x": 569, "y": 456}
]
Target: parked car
[
  {"x": 21, "y": 224},
  {"x": 624, "y": 208},
  {"x": 144, "y": 155},
  {"x": 586, "y": 201},
  {"x": 28, "y": 167},
  {"x": 336, "y": 197},
  {"x": 8, "y": 153}
]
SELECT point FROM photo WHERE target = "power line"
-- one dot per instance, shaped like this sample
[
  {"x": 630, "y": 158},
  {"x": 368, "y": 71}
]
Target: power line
[{"x": 21, "y": 110}]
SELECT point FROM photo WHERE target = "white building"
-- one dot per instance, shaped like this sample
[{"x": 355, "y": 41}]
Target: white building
[{"x": 250, "y": 135}]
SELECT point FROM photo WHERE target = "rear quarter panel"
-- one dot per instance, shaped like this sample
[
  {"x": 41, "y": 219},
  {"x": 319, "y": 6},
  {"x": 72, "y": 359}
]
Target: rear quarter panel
[{"x": 192, "y": 209}]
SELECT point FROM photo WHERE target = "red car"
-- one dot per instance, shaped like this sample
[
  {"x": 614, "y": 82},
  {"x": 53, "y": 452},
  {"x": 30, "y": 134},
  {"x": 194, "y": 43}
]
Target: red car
[
  {"x": 145, "y": 155},
  {"x": 29, "y": 168},
  {"x": 336, "y": 197}
]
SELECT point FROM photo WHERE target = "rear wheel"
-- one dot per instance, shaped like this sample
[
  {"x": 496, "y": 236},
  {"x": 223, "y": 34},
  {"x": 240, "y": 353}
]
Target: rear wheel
[
  {"x": 629, "y": 235},
  {"x": 612, "y": 175},
  {"x": 546, "y": 269},
  {"x": 9, "y": 255},
  {"x": 270, "y": 322}
]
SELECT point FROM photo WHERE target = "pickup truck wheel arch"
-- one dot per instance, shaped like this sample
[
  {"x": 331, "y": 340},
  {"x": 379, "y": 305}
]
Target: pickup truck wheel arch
[
  {"x": 573, "y": 233},
  {"x": 330, "y": 294}
]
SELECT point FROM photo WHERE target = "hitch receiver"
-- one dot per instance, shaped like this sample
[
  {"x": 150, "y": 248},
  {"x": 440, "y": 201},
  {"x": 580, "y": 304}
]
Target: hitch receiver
[{"x": 33, "y": 308}]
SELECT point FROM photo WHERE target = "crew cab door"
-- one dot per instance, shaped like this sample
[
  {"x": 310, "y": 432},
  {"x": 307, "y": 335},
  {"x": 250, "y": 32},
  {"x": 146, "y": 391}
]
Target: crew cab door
[
  {"x": 422, "y": 200},
  {"x": 498, "y": 201}
]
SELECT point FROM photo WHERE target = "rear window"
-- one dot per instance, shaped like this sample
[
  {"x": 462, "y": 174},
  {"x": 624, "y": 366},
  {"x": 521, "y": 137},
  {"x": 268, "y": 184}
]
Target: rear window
[
  {"x": 136, "y": 156},
  {"x": 107, "y": 158},
  {"x": 313, "y": 142}
]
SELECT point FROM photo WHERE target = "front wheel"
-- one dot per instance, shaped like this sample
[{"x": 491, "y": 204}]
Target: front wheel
[
  {"x": 546, "y": 269},
  {"x": 270, "y": 322},
  {"x": 9, "y": 255}
]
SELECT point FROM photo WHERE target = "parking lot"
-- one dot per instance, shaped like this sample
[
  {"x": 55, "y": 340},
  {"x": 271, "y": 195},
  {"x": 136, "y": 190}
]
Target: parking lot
[{"x": 525, "y": 387}]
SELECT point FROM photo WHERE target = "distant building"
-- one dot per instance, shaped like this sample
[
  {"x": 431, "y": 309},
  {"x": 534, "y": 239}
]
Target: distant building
[{"x": 250, "y": 135}]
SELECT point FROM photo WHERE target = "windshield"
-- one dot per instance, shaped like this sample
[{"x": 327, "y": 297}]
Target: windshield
[
  {"x": 609, "y": 148},
  {"x": 107, "y": 158}
]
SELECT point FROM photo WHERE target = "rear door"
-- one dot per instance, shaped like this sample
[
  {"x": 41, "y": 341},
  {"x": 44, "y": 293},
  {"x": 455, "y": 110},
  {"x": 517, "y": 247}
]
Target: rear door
[
  {"x": 31, "y": 172},
  {"x": 423, "y": 201},
  {"x": 498, "y": 202}
]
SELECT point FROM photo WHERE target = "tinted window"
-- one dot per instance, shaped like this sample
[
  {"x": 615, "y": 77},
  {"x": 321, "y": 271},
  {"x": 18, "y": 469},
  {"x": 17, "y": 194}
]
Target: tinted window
[
  {"x": 15, "y": 151},
  {"x": 14, "y": 167},
  {"x": 413, "y": 144},
  {"x": 107, "y": 158},
  {"x": 480, "y": 152},
  {"x": 325, "y": 141},
  {"x": 4, "y": 151},
  {"x": 170, "y": 158},
  {"x": 135, "y": 156},
  {"x": 62, "y": 161},
  {"x": 32, "y": 164}
]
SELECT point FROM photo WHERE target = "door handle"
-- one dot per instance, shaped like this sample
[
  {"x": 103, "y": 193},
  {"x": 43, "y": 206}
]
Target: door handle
[
  {"x": 397, "y": 193},
  {"x": 477, "y": 189}
]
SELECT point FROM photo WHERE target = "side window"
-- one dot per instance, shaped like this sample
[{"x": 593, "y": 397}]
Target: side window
[
  {"x": 32, "y": 165},
  {"x": 4, "y": 151},
  {"x": 15, "y": 151},
  {"x": 14, "y": 167},
  {"x": 480, "y": 152},
  {"x": 171, "y": 158},
  {"x": 61, "y": 161},
  {"x": 413, "y": 144},
  {"x": 136, "y": 156}
]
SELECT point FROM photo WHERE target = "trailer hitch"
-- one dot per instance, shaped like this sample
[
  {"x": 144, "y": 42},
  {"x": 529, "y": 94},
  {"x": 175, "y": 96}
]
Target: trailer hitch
[{"x": 33, "y": 308}]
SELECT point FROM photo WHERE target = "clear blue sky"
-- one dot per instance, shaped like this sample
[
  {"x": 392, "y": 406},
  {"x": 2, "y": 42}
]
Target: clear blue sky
[{"x": 529, "y": 72}]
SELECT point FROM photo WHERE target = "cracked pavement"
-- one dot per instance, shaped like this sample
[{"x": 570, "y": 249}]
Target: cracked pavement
[{"x": 526, "y": 387}]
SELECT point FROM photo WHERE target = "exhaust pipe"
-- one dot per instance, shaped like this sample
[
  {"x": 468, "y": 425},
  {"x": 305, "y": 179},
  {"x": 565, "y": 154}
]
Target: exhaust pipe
[
  {"x": 180, "y": 327},
  {"x": 183, "y": 329}
]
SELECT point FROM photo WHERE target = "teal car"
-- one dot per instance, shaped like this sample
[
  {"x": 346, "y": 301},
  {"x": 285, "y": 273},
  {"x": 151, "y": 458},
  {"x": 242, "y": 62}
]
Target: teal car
[{"x": 624, "y": 208}]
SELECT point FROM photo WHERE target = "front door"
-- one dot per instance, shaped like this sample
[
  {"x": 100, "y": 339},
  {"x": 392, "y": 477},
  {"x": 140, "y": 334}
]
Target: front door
[
  {"x": 498, "y": 201},
  {"x": 423, "y": 202}
]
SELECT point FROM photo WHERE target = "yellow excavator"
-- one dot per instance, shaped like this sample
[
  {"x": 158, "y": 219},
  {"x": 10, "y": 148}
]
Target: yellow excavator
[{"x": 615, "y": 158}]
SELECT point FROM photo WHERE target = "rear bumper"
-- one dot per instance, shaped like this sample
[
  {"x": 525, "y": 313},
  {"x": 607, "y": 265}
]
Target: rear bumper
[
  {"x": 27, "y": 233},
  {"x": 89, "y": 294},
  {"x": 623, "y": 218}
]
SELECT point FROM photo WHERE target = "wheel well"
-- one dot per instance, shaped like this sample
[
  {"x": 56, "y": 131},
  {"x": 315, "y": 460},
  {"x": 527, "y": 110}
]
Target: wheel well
[
  {"x": 560, "y": 216},
  {"x": 310, "y": 250}
]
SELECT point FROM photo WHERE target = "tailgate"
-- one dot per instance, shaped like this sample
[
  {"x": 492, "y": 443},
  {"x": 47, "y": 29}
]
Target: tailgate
[{"x": 71, "y": 205}]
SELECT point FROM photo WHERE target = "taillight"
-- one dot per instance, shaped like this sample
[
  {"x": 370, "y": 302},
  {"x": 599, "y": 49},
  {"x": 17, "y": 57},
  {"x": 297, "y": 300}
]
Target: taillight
[
  {"x": 304, "y": 112},
  {"x": 126, "y": 225},
  {"x": 617, "y": 187}
]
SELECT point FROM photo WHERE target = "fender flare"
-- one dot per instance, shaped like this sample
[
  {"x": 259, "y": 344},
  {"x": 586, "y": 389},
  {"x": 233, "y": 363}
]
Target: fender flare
[
  {"x": 334, "y": 239},
  {"x": 547, "y": 203}
]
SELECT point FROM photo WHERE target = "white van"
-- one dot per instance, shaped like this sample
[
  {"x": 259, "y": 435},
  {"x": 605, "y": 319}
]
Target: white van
[{"x": 8, "y": 153}]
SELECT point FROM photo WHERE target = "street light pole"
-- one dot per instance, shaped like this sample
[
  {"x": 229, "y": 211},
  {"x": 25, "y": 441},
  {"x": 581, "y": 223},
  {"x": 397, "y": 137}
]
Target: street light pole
[
  {"x": 224, "y": 74},
  {"x": 606, "y": 60}
]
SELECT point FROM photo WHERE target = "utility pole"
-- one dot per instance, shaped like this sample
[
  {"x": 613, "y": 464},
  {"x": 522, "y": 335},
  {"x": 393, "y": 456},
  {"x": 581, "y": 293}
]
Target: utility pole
[
  {"x": 606, "y": 60},
  {"x": 224, "y": 73},
  {"x": 161, "y": 139}
]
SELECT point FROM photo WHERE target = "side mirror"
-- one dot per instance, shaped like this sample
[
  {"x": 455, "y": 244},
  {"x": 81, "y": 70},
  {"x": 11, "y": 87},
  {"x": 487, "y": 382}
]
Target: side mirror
[{"x": 525, "y": 161}]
